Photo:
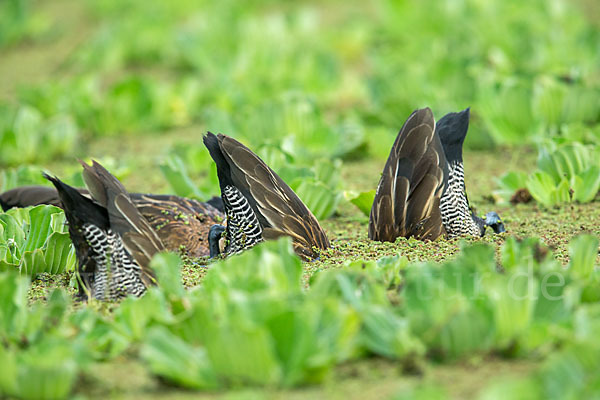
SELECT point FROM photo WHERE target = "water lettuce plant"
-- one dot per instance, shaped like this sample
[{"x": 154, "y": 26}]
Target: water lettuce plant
[
  {"x": 35, "y": 240},
  {"x": 565, "y": 172},
  {"x": 252, "y": 321},
  {"x": 40, "y": 354},
  {"x": 27, "y": 136},
  {"x": 21, "y": 176},
  {"x": 363, "y": 200}
]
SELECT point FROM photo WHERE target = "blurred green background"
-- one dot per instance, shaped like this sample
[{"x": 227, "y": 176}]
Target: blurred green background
[
  {"x": 319, "y": 89},
  {"x": 314, "y": 79}
]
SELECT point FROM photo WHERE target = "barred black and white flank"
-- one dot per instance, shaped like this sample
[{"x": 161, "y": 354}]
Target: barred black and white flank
[
  {"x": 259, "y": 205},
  {"x": 113, "y": 242},
  {"x": 422, "y": 188},
  {"x": 243, "y": 228},
  {"x": 457, "y": 217}
]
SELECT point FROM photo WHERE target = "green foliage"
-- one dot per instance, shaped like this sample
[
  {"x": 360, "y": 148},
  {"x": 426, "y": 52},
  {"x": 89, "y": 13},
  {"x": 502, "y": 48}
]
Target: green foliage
[
  {"x": 566, "y": 172},
  {"x": 177, "y": 361},
  {"x": 317, "y": 86},
  {"x": 509, "y": 183},
  {"x": 253, "y": 323},
  {"x": 363, "y": 200},
  {"x": 21, "y": 176},
  {"x": 319, "y": 187},
  {"x": 18, "y": 22},
  {"x": 35, "y": 240},
  {"x": 185, "y": 162},
  {"x": 26, "y": 136},
  {"x": 37, "y": 345}
]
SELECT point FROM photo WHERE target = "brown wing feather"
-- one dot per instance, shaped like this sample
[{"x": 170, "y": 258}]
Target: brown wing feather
[
  {"x": 280, "y": 210},
  {"x": 181, "y": 224},
  {"x": 407, "y": 199}
]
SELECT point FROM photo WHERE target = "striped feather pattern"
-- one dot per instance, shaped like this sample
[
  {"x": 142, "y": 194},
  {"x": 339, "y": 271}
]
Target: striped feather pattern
[
  {"x": 278, "y": 210},
  {"x": 116, "y": 275},
  {"x": 113, "y": 242},
  {"x": 243, "y": 229},
  {"x": 454, "y": 206}
]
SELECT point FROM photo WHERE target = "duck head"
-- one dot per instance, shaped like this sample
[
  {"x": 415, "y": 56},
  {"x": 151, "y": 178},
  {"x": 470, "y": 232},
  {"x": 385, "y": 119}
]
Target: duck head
[
  {"x": 492, "y": 219},
  {"x": 214, "y": 239}
]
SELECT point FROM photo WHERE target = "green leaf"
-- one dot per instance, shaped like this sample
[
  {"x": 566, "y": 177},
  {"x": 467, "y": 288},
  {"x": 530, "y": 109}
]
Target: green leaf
[
  {"x": 33, "y": 262},
  {"x": 509, "y": 183},
  {"x": 571, "y": 372},
  {"x": 21, "y": 176},
  {"x": 35, "y": 239},
  {"x": 542, "y": 188},
  {"x": 8, "y": 371},
  {"x": 386, "y": 334},
  {"x": 40, "y": 228},
  {"x": 513, "y": 301},
  {"x": 176, "y": 174},
  {"x": 564, "y": 162},
  {"x": 51, "y": 365},
  {"x": 180, "y": 363},
  {"x": 311, "y": 336},
  {"x": 13, "y": 298},
  {"x": 27, "y": 128},
  {"x": 240, "y": 350},
  {"x": 328, "y": 172},
  {"x": 276, "y": 269},
  {"x": 548, "y": 101},
  {"x": 167, "y": 267},
  {"x": 507, "y": 112},
  {"x": 582, "y": 253},
  {"x": 319, "y": 198},
  {"x": 59, "y": 253},
  {"x": 363, "y": 201},
  {"x": 587, "y": 185}
]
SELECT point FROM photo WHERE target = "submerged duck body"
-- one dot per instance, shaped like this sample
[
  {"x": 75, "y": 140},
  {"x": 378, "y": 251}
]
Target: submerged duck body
[
  {"x": 258, "y": 204},
  {"x": 182, "y": 224},
  {"x": 113, "y": 242},
  {"x": 422, "y": 191}
]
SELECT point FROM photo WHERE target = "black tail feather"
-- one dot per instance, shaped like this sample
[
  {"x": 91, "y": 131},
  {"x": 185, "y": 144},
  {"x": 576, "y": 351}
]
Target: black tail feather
[
  {"x": 78, "y": 208},
  {"x": 452, "y": 130},
  {"x": 223, "y": 169}
]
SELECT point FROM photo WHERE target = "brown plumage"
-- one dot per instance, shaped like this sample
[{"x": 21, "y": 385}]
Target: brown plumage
[
  {"x": 114, "y": 243},
  {"x": 139, "y": 238},
  {"x": 408, "y": 196},
  {"x": 25, "y": 196},
  {"x": 182, "y": 224},
  {"x": 278, "y": 209}
]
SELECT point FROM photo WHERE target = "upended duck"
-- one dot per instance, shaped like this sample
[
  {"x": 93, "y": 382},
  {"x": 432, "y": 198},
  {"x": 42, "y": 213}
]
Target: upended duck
[
  {"x": 422, "y": 191},
  {"x": 113, "y": 242},
  {"x": 182, "y": 224},
  {"x": 259, "y": 205}
]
